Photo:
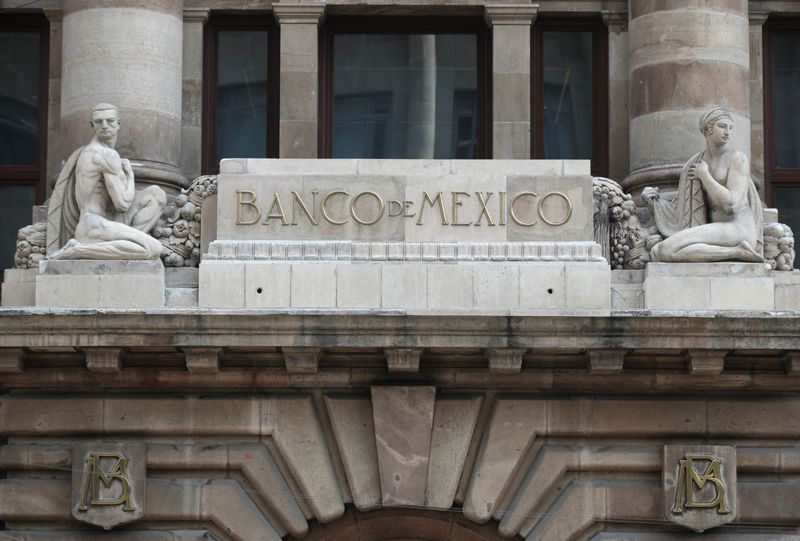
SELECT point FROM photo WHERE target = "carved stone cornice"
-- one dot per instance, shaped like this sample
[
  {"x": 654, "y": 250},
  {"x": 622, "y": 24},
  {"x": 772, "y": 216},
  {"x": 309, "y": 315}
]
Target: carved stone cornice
[
  {"x": 510, "y": 13},
  {"x": 311, "y": 13},
  {"x": 196, "y": 15},
  {"x": 616, "y": 21},
  {"x": 758, "y": 17}
]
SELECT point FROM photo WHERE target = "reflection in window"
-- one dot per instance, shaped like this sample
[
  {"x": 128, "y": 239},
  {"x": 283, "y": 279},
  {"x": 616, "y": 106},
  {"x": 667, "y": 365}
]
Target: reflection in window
[
  {"x": 567, "y": 94},
  {"x": 19, "y": 97},
  {"x": 242, "y": 94},
  {"x": 403, "y": 95},
  {"x": 786, "y": 100}
]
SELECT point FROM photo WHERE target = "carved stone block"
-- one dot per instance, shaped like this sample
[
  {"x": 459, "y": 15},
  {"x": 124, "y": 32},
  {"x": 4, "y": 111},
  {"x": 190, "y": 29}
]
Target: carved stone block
[
  {"x": 700, "y": 485},
  {"x": 108, "y": 482}
]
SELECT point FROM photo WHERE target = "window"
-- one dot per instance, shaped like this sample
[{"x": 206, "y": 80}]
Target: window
[
  {"x": 23, "y": 124},
  {"x": 404, "y": 88},
  {"x": 241, "y": 89},
  {"x": 569, "y": 91},
  {"x": 782, "y": 119}
]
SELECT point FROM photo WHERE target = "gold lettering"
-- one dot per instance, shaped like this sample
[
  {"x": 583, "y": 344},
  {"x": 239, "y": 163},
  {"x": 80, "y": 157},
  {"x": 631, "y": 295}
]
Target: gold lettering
[
  {"x": 688, "y": 478},
  {"x": 94, "y": 475},
  {"x": 567, "y": 214},
  {"x": 325, "y": 209},
  {"x": 296, "y": 199},
  {"x": 427, "y": 199},
  {"x": 241, "y": 203},
  {"x": 456, "y": 204},
  {"x": 503, "y": 199},
  {"x": 406, "y": 208},
  {"x": 394, "y": 208},
  {"x": 484, "y": 210},
  {"x": 513, "y": 213},
  {"x": 281, "y": 214},
  {"x": 353, "y": 208}
]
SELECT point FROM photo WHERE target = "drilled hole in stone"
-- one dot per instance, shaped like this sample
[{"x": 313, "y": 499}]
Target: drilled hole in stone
[
  {"x": 550, "y": 290},
  {"x": 259, "y": 290}
]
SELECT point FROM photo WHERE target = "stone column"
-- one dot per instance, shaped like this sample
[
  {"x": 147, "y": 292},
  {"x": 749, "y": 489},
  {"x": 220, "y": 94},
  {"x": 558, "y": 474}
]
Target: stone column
[
  {"x": 55, "y": 18},
  {"x": 685, "y": 55},
  {"x": 128, "y": 53},
  {"x": 618, "y": 111},
  {"x": 422, "y": 97},
  {"x": 194, "y": 20},
  {"x": 511, "y": 79},
  {"x": 299, "y": 78},
  {"x": 757, "y": 20}
]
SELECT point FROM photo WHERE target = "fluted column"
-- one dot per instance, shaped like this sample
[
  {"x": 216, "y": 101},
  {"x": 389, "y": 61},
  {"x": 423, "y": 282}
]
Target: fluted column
[
  {"x": 685, "y": 55},
  {"x": 511, "y": 79},
  {"x": 128, "y": 53}
]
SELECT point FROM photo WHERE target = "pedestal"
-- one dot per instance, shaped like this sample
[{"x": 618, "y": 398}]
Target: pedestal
[
  {"x": 100, "y": 284},
  {"x": 709, "y": 286},
  {"x": 19, "y": 287}
]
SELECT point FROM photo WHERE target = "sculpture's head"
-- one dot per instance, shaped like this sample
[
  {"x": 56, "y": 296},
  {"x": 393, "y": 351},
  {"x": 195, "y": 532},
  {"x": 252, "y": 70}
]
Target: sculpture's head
[
  {"x": 105, "y": 121},
  {"x": 716, "y": 125}
]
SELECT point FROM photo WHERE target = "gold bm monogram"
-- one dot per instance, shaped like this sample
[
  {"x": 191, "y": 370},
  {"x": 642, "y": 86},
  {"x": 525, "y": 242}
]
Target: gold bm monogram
[
  {"x": 94, "y": 475},
  {"x": 688, "y": 478}
]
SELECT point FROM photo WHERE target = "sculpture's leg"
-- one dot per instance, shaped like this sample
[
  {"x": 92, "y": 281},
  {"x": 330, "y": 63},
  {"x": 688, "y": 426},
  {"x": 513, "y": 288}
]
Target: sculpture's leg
[
  {"x": 710, "y": 252},
  {"x": 146, "y": 209},
  {"x": 118, "y": 249}
]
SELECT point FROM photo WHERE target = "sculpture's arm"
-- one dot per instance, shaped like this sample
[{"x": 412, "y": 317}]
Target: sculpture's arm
[
  {"x": 733, "y": 195},
  {"x": 118, "y": 177}
]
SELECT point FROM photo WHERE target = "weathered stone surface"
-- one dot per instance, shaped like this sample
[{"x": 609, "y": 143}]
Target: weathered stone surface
[
  {"x": 19, "y": 287},
  {"x": 403, "y": 421},
  {"x": 454, "y": 421},
  {"x": 351, "y": 417},
  {"x": 695, "y": 477},
  {"x": 403, "y": 359},
  {"x": 104, "y": 359}
]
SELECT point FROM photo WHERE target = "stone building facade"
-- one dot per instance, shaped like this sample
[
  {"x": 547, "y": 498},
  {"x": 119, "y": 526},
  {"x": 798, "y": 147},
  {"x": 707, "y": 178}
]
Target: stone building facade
[{"x": 417, "y": 382}]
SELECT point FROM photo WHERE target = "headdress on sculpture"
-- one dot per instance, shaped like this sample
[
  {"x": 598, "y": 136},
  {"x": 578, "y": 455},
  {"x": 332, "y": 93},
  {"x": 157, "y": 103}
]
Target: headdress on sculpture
[{"x": 711, "y": 116}]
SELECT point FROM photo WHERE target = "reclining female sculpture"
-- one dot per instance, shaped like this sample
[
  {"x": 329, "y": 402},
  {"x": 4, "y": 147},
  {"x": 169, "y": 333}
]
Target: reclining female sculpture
[{"x": 717, "y": 215}]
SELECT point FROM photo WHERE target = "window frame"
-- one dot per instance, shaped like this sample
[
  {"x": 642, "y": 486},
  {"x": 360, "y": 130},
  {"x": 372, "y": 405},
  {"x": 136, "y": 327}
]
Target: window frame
[
  {"x": 774, "y": 177},
  {"x": 238, "y": 20},
  {"x": 600, "y": 93},
  {"x": 34, "y": 174},
  {"x": 368, "y": 24}
]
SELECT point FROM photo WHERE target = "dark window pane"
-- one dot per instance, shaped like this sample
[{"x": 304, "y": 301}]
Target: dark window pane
[
  {"x": 787, "y": 201},
  {"x": 567, "y": 79},
  {"x": 405, "y": 96},
  {"x": 16, "y": 203},
  {"x": 786, "y": 100},
  {"x": 19, "y": 97},
  {"x": 242, "y": 94}
]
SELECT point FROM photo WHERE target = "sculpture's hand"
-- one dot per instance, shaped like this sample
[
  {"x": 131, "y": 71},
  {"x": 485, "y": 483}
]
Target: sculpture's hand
[
  {"x": 700, "y": 170},
  {"x": 650, "y": 194}
]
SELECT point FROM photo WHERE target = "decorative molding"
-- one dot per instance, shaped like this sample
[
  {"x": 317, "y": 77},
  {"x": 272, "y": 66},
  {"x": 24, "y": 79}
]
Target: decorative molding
[
  {"x": 104, "y": 359},
  {"x": 515, "y": 14},
  {"x": 11, "y": 360},
  {"x": 606, "y": 361},
  {"x": 758, "y": 17},
  {"x": 616, "y": 21},
  {"x": 202, "y": 359},
  {"x": 301, "y": 360},
  {"x": 506, "y": 360},
  {"x": 403, "y": 359},
  {"x": 196, "y": 15},
  {"x": 312, "y": 13},
  {"x": 706, "y": 362},
  {"x": 403, "y": 251}
]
